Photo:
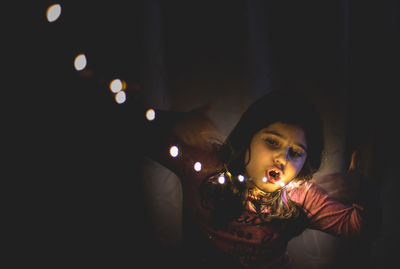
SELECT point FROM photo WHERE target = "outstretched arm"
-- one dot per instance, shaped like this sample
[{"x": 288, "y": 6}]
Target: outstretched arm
[
  {"x": 354, "y": 188},
  {"x": 192, "y": 134},
  {"x": 342, "y": 204}
]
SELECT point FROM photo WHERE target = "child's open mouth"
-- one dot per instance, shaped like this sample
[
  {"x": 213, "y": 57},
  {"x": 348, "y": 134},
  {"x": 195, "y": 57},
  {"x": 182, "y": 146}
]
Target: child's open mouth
[{"x": 273, "y": 175}]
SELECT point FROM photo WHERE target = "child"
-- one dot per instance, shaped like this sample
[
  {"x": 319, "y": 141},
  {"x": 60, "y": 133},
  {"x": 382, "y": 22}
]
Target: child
[{"x": 246, "y": 197}]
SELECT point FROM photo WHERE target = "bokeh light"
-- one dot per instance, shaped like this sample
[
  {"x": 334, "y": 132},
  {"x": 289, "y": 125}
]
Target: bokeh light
[
  {"x": 197, "y": 166},
  {"x": 221, "y": 180},
  {"x": 116, "y": 85},
  {"x": 53, "y": 12},
  {"x": 174, "y": 151},
  {"x": 150, "y": 114},
  {"x": 80, "y": 62},
  {"x": 120, "y": 97},
  {"x": 241, "y": 178},
  {"x": 264, "y": 179}
]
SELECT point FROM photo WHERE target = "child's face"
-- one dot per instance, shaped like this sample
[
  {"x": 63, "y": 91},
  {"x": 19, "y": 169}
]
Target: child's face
[{"x": 278, "y": 153}]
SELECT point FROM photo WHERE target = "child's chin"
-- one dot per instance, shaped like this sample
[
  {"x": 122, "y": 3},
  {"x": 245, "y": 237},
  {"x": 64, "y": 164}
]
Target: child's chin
[{"x": 269, "y": 187}]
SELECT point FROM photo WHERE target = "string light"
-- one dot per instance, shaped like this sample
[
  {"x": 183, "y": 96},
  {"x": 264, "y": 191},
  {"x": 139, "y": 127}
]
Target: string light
[
  {"x": 174, "y": 151},
  {"x": 116, "y": 85},
  {"x": 150, "y": 114},
  {"x": 221, "y": 179},
  {"x": 264, "y": 179},
  {"x": 282, "y": 184},
  {"x": 241, "y": 178},
  {"x": 53, "y": 12},
  {"x": 120, "y": 97},
  {"x": 197, "y": 166},
  {"x": 80, "y": 62}
]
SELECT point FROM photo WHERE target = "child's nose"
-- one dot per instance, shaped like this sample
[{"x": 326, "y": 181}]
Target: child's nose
[{"x": 281, "y": 157}]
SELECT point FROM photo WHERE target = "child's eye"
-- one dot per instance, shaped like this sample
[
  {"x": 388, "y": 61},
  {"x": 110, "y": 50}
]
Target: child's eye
[
  {"x": 296, "y": 154},
  {"x": 271, "y": 141}
]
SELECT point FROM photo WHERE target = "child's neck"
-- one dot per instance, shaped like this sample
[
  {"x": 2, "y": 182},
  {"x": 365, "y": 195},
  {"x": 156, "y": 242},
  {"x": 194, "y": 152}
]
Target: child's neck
[{"x": 255, "y": 191}]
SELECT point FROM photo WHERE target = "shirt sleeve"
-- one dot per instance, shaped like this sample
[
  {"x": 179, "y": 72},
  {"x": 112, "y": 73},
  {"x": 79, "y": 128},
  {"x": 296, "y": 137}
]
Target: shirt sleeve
[{"x": 326, "y": 214}]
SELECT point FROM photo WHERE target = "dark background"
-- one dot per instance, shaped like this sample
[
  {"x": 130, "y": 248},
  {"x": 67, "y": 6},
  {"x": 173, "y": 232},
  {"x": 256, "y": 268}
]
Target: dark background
[{"x": 69, "y": 138}]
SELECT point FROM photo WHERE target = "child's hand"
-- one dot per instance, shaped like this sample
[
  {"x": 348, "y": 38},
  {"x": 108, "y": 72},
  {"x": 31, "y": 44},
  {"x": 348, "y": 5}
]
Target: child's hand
[
  {"x": 346, "y": 186},
  {"x": 195, "y": 128}
]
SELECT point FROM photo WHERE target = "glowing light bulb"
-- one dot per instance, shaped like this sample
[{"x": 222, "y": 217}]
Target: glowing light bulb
[
  {"x": 116, "y": 85},
  {"x": 264, "y": 179},
  {"x": 241, "y": 178},
  {"x": 150, "y": 114},
  {"x": 221, "y": 180},
  {"x": 53, "y": 12},
  {"x": 120, "y": 97},
  {"x": 197, "y": 166},
  {"x": 80, "y": 62},
  {"x": 174, "y": 151}
]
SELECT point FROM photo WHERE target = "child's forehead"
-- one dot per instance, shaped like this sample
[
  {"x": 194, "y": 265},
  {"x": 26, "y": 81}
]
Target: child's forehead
[{"x": 287, "y": 131}]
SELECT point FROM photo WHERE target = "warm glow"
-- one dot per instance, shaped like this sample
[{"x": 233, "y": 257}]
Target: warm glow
[
  {"x": 116, "y": 85},
  {"x": 293, "y": 184},
  {"x": 150, "y": 114},
  {"x": 80, "y": 62},
  {"x": 123, "y": 84},
  {"x": 264, "y": 179},
  {"x": 241, "y": 178},
  {"x": 197, "y": 166},
  {"x": 53, "y": 12},
  {"x": 221, "y": 180},
  {"x": 174, "y": 151},
  {"x": 120, "y": 97}
]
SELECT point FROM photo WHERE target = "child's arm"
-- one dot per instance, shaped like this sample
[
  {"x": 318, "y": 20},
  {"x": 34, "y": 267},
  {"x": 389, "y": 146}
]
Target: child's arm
[
  {"x": 327, "y": 214},
  {"x": 347, "y": 205},
  {"x": 190, "y": 133}
]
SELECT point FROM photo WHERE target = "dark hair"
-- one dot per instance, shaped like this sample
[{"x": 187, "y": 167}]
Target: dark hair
[
  {"x": 291, "y": 107},
  {"x": 283, "y": 106}
]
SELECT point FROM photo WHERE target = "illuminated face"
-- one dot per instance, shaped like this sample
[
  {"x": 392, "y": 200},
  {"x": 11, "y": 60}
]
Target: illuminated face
[{"x": 277, "y": 154}]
